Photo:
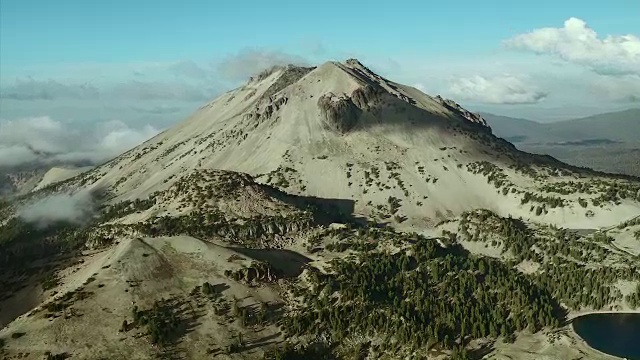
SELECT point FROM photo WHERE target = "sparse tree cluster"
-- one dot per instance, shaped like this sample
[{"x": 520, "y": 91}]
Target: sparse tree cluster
[
  {"x": 434, "y": 296},
  {"x": 551, "y": 201},
  {"x": 495, "y": 175},
  {"x": 161, "y": 322},
  {"x": 633, "y": 298},
  {"x": 571, "y": 265}
]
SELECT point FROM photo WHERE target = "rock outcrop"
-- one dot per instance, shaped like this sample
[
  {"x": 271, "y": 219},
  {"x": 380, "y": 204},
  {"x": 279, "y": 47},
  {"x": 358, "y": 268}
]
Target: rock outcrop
[
  {"x": 290, "y": 74},
  {"x": 339, "y": 112},
  {"x": 366, "y": 97},
  {"x": 462, "y": 112},
  {"x": 257, "y": 272}
]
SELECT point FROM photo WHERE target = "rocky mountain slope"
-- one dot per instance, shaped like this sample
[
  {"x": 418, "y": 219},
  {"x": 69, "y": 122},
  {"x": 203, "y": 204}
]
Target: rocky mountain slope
[
  {"x": 18, "y": 180},
  {"x": 340, "y": 131},
  {"x": 318, "y": 213}
]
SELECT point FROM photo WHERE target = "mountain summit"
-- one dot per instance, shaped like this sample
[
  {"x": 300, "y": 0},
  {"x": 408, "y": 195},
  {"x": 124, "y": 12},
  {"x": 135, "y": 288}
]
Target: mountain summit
[
  {"x": 276, "y": 216},
  {"x": 340, "y": 131}
]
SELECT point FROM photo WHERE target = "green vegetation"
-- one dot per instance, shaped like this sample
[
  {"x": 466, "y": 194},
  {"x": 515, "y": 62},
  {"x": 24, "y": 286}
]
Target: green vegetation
[
  {"x": 392, "y": 168},
  {"x": 125, "y": 208},
  {"x": 410, "y": 293},
  {"x": 290, "y": 352},
  {"x": 161, "y": 321},
  {"x": 59, "y": 356},
  {"x": 495, "y": 175},
  {"x": 394, "y": 204},
  {"x": 283, "y": 177},
  {"x": 63, "y": 305},
  {"x": 515, "y": 237},
  {"x": 206, "y": 225},
  {"x": 32, "y": 250},
  {"x": 421, "y": 296},
  {"x": 632, "y": 222},
  {"x": 583, "y": 202},
  {"x": 551, "y": 201},
  {"x": 352, "y": 244},
  {"x": 604, "y": 190},
  {"x": 571, "y": 267},
  {"x": 578, "y": 286},
  {"x": 50, "y": 281},
  {"x": 633, "y": 298}
]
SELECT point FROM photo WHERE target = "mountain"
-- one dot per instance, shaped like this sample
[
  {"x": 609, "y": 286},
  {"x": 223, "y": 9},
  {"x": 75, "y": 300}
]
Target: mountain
[
  {"x": 318, "y": 212},
  {"x": 612, "y": 127},
  {"x": 516, "y": 130},
  {"x": 18, "y": 181},
  {"x": 605, "y": 142},
  {"x": 340, "y": 131},
  {"x": 616, "y": 126},
  {"x": 23, "y": 178}
]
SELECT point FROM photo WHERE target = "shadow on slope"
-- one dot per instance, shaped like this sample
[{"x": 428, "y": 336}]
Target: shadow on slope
[
  {"x": 288, "y": 263},
  {"x": 325, "y": 210}
]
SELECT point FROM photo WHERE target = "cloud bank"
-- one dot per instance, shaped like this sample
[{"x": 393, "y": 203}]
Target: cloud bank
[
  {"x": 575, "y": 42},
  {"x": 42, "y": 139},
  {"x": 183, "y": 80},
  {"x": 134, "y": 90},
  {"x": 503, "y": 89},
  {"x": 249, "y": 62},
  {"x": 31, "y": 89},
  {"x": 70, "y": 208}
]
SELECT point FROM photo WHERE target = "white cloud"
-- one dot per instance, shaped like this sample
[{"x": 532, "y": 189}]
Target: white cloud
[
  {"x": 39, "y": 134},
  {"x": 158, "y": 109},
  {"x": 503, "y": 89},
  {"x": 184, "y": 80},
  {"x": 577, "y": 43},
  {"x": 74, "y": 208},
  {"x": 162, "y": 90},
  {"x": 420, "y": 87},
  {"x": 32, "y": 89},
  {"x": 625, "y": 89},
  {"x": 190, "y": 69},
  {"x": 43, "y": 139},
  {"x": 250, "y": 62},
  {"x": 13, "y": 155},
  {"x": 119, "y": 137}
]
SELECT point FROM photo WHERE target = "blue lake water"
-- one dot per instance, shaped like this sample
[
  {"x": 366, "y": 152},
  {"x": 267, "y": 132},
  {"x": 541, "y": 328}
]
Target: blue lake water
[{"x": 616, "y": 334}]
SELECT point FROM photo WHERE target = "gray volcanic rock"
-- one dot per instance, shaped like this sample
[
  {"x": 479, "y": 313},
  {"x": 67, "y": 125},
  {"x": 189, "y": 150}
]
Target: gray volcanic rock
[{"x": 340, "y": 113}]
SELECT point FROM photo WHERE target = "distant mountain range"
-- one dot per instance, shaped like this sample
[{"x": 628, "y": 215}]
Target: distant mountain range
[
  {"x": 621, "y": 126},
  {"x": 607, "y": 142}
]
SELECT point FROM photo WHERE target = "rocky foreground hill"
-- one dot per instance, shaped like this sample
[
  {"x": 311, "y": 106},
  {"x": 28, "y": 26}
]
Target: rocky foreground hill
[{"x": 321, "y": 212}]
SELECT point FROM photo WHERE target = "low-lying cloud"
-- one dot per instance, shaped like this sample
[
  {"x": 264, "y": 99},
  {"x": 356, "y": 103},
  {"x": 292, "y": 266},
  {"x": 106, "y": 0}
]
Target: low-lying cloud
[
  {"x": 250, "y": 62},
  {"x": 32, "y": 89},
  {"x": 575, "y": 42},
  {"x": 158, "y": 110},
  {"x": 619, "y": 89},
  {"x": 190, "y": 69},
  {"x": 74, "y": 208},
  {"x": 45, "y": 140},
  {"x": 162, "y": 90},
  {"x": 133, "y": 90},
  {"x": 503, "y": 89}
]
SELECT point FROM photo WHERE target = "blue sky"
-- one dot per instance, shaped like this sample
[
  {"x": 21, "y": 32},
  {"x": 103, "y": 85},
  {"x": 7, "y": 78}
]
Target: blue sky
[
  {"x": 144, "y": 64},
  {"x": 44, "y": 32}
]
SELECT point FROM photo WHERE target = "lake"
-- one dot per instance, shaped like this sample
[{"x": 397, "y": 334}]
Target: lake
[{"x": 615, "y": 334}]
